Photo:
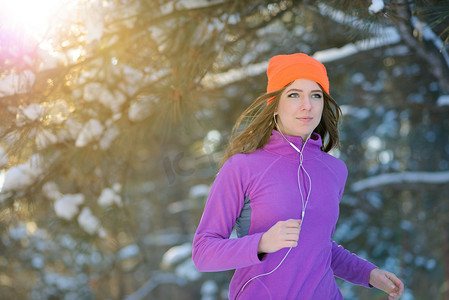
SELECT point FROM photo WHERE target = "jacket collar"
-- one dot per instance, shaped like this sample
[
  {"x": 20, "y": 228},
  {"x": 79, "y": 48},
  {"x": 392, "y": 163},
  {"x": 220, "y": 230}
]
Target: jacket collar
[{"x": 277, "y": 144}]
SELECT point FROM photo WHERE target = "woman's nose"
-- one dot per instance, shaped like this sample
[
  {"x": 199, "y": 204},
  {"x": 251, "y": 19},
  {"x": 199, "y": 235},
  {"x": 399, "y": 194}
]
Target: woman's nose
[{"x": 306, "y": 103}]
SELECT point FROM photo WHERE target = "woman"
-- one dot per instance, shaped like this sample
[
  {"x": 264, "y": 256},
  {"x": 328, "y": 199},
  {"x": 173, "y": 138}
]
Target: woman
[{"x": 281, "y": 190}]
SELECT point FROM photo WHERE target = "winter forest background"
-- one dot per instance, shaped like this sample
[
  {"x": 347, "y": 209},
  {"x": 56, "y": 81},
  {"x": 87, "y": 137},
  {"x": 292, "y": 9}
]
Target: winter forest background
[{"x": 114, "y": 114}]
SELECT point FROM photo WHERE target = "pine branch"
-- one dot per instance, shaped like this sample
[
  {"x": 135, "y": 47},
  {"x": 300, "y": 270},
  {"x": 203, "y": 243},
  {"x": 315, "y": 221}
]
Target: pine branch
[{"x": 431, "y": 57}]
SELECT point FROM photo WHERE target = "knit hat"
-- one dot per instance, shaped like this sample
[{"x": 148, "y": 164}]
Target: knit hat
[{"x": 283, "y": 69}]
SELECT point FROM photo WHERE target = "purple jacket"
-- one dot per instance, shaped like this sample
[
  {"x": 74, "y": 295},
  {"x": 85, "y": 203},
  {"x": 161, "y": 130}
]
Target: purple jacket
[{"x": 254, "y": 191}]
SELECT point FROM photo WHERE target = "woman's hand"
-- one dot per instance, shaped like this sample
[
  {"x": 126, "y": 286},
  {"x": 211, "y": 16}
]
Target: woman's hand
[
  {"x": 387, "y": 282},
  {"x": 283, "y": 234}
]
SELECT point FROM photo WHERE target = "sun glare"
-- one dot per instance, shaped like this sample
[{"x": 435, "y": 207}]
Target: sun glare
[{"x": 30, "y": 18}]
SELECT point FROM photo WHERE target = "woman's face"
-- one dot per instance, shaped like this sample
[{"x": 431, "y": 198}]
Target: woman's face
[{"x": 300, "y": 108}]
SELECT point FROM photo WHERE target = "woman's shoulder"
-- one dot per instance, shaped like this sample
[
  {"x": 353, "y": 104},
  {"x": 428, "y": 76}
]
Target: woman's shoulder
[
  {"x": 248, "y": 161},
  {"x": 237, "y": 158},
  {"x": 243, "y": 159},
  {"x": 334, "y": 163}
]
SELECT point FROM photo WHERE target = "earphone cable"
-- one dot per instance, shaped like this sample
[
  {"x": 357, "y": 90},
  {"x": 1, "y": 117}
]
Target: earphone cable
[{"x": 303, "y": 204}]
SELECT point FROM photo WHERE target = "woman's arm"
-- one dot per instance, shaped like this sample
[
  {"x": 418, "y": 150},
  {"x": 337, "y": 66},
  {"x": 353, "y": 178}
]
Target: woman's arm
[
  {"x": 350, "y": 267},
  {"x": 212, "y": 248},
  {"x": 354, "y": 269}
]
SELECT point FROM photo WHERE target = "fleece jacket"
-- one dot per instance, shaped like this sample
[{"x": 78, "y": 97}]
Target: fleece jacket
[{"x": 251, "y": 193}]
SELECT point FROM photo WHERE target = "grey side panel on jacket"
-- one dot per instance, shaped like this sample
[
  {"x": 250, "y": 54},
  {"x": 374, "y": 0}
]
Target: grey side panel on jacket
[{"x": 244, "y": 220}]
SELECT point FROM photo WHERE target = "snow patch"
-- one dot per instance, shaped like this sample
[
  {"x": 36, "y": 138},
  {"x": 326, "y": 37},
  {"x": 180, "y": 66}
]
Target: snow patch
[
  {"x": 51, "y": 191},
  {"x": 91, "y": 91},
  {"x": 59, "y": 111},
  {"x": 376, "y": 6},
  {"x": 22, "y": 176},
  {"x": 407, "y": 225},
  {"x": 28, "y": 114},
  {"x": 133, "y": 78},
  {"x": 211, "y": 141},
  {"x": 429, "y": 35},
  {"x": 19, "y": 232},
  {"x": 38, "y": 261},
  {"x": 389, "y": 36},
  {"x": 443, "y": 100},
  {"x": 94, "y": 22},
  {"x": 222, "y": 79},
  {"x": 140, "y": 109},
  {"x": 63, "y": 283},
  {"x": 404, "y": 177},
  {"x": 193, "y": 4},
  {"x": 109, "y": 197},
  {"x": 128, "y": 252},
  {"x": 358, "y": 78},
  {"x": 49, "y": 59},
  {"x": 33, "y": 111},
  {"x": 199, "y": 190},
  {"x": 45, "y": 138},
  {"x": 3, "y": 158},
  {"x": 357, "y": 112},
  {"x": 176, "y": 254},
  {"x": 96, "y": 91},
  {"x": 375, "y": 200},
  {"x": 188, "y": 270},
  {"x": 91, "y": 131},
  {"x": 89, "y": 222},
  {"x": 108, "y": 137},
  {"x": 66, "y": 207},
  {"x": 209, "y": 290},
  {"x": 112, "y": 100},
  {"x": 17, "y": 83}
]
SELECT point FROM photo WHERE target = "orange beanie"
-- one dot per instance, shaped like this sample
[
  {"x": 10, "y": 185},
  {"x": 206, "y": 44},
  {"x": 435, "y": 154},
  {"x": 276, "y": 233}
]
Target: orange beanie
[{"x": 283, "y": 69}]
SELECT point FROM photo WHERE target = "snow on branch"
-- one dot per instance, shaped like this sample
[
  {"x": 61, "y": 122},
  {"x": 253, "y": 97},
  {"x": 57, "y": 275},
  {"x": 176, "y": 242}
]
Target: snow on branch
[
  {"x": 376, "y": 6},
  {"x": 443, "y": 100},
  {"x": 169, "y": 7},
  {"x": 390, "y": 36},
  {"x": 404, "y": 177},
  {"x": 16, "y": 83},
  {"x": 428, "y": 34},
  {"x": 234, "y": 75},
  {"x": 339, "y": 16},
  {"x": 22, "y": 176},
  {"x": 195, "y": 4}
]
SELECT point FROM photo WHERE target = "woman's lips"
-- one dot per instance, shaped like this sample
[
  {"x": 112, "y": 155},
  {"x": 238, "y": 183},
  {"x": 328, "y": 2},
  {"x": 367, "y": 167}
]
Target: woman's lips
[{"x": 305, "y": 119}]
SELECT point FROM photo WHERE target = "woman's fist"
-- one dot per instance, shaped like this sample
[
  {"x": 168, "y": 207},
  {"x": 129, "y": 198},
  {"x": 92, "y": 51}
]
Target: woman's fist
[
  {"x": 283, "y": 234},
  {"x": 387, "y": 282}
]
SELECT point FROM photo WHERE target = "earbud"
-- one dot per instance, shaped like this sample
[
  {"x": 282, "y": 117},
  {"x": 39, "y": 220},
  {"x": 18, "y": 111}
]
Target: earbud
[{"x": 294, "y": 147}]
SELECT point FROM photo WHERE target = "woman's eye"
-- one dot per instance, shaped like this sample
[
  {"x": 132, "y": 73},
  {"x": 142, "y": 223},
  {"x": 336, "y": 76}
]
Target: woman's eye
[
  {"x": 317, "y": 96},
  {"x": 293, "y": 95}
]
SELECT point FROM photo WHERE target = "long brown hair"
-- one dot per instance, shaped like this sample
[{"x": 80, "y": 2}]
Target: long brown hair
[{"x": 253, "y": 128}]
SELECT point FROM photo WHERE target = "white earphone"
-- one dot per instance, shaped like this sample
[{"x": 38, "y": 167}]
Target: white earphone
[{"x": 301, "y": 158}]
